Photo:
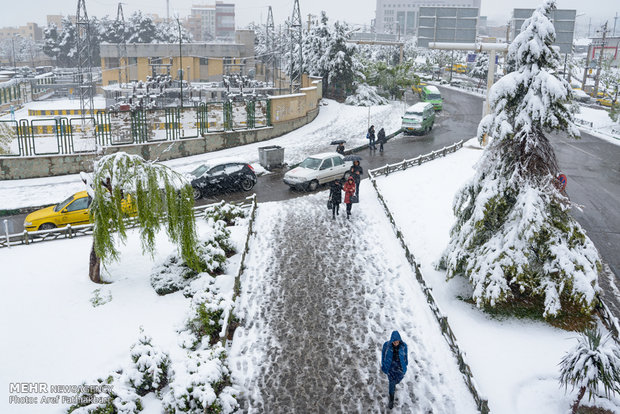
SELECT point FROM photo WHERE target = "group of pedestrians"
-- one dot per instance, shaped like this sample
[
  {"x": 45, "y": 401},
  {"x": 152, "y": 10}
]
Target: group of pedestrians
[
  {"x": 351, "y": 188},
  {"x": 380, "y": 138}
]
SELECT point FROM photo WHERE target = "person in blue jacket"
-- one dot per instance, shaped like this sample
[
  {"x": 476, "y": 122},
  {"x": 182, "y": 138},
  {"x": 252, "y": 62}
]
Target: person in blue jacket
[{"x": 394, "y": 362}]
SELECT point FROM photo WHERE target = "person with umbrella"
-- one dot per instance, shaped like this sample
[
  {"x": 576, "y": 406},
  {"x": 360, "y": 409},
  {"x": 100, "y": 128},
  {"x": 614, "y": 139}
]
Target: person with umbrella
[
  {"x": 340, "y": 148},
  {"x": 371, "y": 137}
]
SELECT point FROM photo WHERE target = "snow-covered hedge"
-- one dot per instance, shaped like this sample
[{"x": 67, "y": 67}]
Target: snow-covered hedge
[
  {"x": 174, "y": 274},
  {"x": 121, "y": 390},
  {"x": 201, "y": 385},
  {"x": 366, "y": 95},
  {"x": 149, "y": 371},
  {"x": 231, "y": 214},
  {"x": 204, "y": 319}
]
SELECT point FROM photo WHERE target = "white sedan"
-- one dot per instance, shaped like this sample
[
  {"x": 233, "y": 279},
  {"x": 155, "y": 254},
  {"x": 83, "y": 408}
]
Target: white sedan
[{"x": 317, "y": 169}]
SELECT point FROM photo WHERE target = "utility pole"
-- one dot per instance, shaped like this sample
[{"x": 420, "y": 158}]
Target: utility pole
[
  {"x": 271, "y": 44},
  {"x": 13, "y": 44},
  {"x": 615, "y": 21},
  {"x": 85, "y": 74},
  {"x": 180, "y": 60},
  {"x": 309, "y": 22},
  {"x": 168, "y": 10},
  {"x": 600, "y": 61},
  {"x": 586, "y": 69},
  {"x": 296, "y": 38},
  {"x": 121, "y": 48}
]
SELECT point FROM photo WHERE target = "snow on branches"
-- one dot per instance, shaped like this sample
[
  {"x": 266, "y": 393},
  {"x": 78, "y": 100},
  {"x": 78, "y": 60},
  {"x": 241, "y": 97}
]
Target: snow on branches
[{"x": 513, "y": 237}]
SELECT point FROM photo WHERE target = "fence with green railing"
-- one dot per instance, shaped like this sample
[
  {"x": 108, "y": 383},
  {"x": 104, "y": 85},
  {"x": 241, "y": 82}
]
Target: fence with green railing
[{"x": 71, "y": 135}]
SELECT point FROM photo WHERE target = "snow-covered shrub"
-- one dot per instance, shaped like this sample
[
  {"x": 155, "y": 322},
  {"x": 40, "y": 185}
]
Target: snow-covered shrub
[
  {"x": 366, "y": 95},
  {"x": 149, "y": 371},
  {"x": 201, "y": 385},
  {"x": 204, "y": 319},
  {"x": 591, "y": 364},
  {"x": 100, "y": 297},
  {"x": 112, "y": 395},
  {"x": 174, "y": 274},
  {"x": 514, "y": 237},
  {"x": 229, "y": 213},
  {"x": 6, "y": 136}
]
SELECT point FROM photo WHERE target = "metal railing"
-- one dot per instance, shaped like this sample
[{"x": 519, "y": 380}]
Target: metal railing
[
  {"x": 448, "y": 333},
  {"x": 83, "y": 134},
  {"x": 585, "y": 123},
  {"x": 403, "y": 165},
  {"x": 69, "y": 231},
  {"x": 228, "y": 329}
]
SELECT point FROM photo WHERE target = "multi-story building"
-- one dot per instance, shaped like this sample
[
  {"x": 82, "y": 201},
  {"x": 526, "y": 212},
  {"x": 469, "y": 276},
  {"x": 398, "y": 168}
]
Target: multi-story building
[
  {"x": 201, "y": 22},
  {"x": 200, "y": 61},
  {"x": 563, "y": 21},
  {"x": 401, "y": 16},
  {"x": 30, "y": 31},
  {"x": 224, "y": 20}
]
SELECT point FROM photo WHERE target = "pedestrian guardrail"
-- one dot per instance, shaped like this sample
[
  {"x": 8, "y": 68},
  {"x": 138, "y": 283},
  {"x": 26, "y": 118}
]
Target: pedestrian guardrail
[
  {"x": 230, "y": 326},
  {"x": 585, "y": 123},
  {"x": 69, "y": 231},
  {"x": 470, "y": 88},
  {"x": 481, "y": 403},
  {"x": 403, "y": 165}
]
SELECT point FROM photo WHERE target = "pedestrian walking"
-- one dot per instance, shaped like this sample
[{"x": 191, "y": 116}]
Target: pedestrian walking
[
  {"x": 340, "y": 149},
  {"x": 357, "y": 171},
  {"x": 394, "y": 363},
  {"x": 381, "y": 139},
  {"x": 349, "y": 193},
  {"x": 335, "y": 197},
  {"x": 371, "y": 136}
]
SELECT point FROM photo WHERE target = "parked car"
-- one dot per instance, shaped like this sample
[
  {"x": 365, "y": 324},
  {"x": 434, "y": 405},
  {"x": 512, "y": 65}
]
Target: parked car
[
  {"x": 431, "y": 94},
  {"x": 418, "y": 118},
  {"x": 224, "y": 175},
  {"x": 317, "y": 169},
  {"x": 417, "y": 88},
  {"x": 75, "y": 210}
]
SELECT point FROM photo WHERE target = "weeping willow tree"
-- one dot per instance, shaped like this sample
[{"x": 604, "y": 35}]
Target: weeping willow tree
[{"x": 126, "y": 185}]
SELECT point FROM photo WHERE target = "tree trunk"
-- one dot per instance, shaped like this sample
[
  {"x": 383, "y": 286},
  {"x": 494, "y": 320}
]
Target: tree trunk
[
  {"x": 94, "y": 266},
  {"x": 575, "y": 406}
]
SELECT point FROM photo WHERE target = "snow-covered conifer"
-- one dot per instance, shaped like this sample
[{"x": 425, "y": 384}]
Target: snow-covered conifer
[
  {"x": 592, "y": 364},
  {"x": 514, "y": 237},
  {"x": 481, "y": 66},
  {"x": 149, "y": 371}
]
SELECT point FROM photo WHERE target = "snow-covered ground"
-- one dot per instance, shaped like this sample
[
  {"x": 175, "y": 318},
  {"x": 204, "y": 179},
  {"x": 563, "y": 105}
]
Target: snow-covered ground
[
  {"x": 53, "y": 334},
  {"x": 514, "y": 361},
  {"x": 320, "y": 297},
  {"x": 335, "y": 121}
]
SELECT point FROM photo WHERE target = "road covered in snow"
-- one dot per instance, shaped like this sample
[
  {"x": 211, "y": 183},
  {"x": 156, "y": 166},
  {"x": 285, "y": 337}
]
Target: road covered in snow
[{"x": 319, "y": 298}]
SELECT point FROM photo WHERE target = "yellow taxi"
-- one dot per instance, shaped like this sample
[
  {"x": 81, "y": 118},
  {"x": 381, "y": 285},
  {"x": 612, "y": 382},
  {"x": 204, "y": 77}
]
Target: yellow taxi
[
  {"x": 604, "y": 101},
  {"x": 418, "y": 88},
  {"x": 74, "y": 210}
]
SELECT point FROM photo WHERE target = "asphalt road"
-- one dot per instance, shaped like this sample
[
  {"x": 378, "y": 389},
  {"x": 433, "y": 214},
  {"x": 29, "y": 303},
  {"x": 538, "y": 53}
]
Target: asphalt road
[{"x": 591, "y": 165}]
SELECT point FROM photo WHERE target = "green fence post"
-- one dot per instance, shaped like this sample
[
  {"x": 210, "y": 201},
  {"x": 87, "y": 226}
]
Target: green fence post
[
  {"x": 228, "y": 116},
  {"x": 269, "y": 112},
  {"x": 250, "y": 108}
]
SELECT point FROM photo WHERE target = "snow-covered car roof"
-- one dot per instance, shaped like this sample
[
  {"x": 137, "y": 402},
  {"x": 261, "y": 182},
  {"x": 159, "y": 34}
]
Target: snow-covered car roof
[
  {"x": 432, "y": 89},
  {"x": 324, "y": 155},
  {"x": 418, "y": 107},
  {"x": 224, "y": 160}
]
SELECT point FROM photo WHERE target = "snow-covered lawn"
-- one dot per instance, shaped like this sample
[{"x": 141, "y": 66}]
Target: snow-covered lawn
[
  {"x": 335, "y": 121},
  {"x": 514, "y": 361},
  {"x": 53, "y": 334}
]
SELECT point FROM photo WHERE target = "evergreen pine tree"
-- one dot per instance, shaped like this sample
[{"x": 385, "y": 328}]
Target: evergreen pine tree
[
  {"x": 514, "y": 238},
  {"x": 50, "y": 41},
  {"x": 481, "y": 67}
]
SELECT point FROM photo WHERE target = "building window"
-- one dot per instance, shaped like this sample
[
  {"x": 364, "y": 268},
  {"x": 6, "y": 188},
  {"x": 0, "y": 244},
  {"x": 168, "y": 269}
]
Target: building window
[{"x": 204, "y": 61}]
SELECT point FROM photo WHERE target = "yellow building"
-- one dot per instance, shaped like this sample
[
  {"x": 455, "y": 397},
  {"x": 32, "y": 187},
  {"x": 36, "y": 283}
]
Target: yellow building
[{"x": 201, "y": 61}]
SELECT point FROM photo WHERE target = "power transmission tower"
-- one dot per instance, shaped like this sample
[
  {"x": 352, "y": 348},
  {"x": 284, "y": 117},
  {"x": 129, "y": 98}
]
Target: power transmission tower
[
  {"x": 121, "y": 47},
  {"x": 84, "y": 74},
  {"x": 271, "y": 44},
  {"x": 296, "y": 37},
  {"x": 604, "y": 31}
]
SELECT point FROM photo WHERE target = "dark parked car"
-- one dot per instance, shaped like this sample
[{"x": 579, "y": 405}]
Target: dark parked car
[{"x": 222, "y": 176}]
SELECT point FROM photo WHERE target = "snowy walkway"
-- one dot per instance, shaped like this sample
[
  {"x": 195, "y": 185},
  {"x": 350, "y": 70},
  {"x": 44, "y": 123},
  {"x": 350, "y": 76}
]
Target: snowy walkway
[{"x": 319, "y": 298}]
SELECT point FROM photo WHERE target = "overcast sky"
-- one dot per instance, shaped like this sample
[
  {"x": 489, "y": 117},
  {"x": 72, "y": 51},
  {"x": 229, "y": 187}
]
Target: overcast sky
[{"x": 15, "y": 13}]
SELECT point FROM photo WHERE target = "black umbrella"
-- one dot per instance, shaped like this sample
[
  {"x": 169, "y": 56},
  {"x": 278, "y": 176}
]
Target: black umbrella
[
  {"x": 337, "y": 142},
  {"x": 352, "y": 158}
]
